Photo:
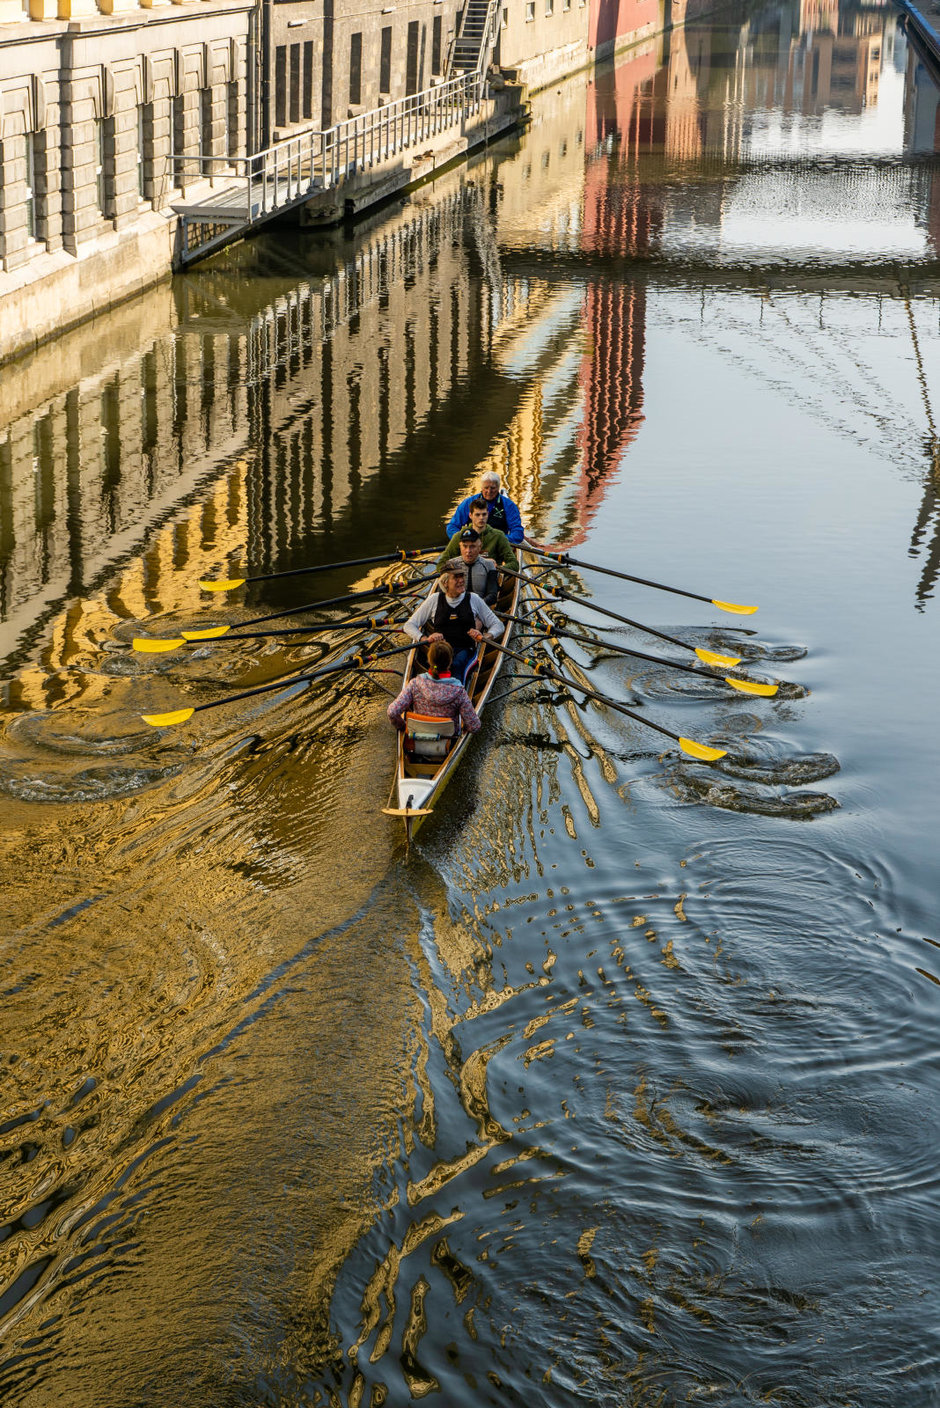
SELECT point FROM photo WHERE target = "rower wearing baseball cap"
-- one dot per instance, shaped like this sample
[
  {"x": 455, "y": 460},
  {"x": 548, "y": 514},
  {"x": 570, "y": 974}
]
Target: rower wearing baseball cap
[
  {"x": 493, "y": 543},
  {"x": 482, "y": 576}
]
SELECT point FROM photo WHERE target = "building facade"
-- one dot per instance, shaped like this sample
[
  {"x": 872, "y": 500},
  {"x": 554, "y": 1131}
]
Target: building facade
[
  {"x": 114, "y": 112},
  {"x": 329, "y": 60},
  {"x": 105, "y": 116}
]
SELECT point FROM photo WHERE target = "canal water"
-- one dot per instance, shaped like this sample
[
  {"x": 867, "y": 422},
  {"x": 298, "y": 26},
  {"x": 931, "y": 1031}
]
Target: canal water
[{"x": 622, "y": 1086}]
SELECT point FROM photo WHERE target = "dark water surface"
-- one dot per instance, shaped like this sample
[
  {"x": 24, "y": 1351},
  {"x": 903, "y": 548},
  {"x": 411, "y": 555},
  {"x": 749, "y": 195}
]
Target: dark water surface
[{"x": 624, "y": 1088}]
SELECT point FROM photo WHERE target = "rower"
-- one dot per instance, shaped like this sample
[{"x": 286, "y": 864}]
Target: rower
[
  {"x": 435, "y": 697},
  {"x": 502, "y": 512},
  {"x": 482, "y": 576},
  {"x": 456, "y": 615},
  {"x": 493, "y": 543}
]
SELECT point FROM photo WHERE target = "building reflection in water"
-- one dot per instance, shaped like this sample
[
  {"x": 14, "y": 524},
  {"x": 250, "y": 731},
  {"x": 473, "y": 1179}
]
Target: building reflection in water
[
  {"x": 299, "y": 400},
  {"x": 296, "y": 401}
]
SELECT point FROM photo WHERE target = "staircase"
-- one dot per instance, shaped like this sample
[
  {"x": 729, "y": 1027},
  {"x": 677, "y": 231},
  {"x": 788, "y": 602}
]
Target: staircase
[{"x": 476, "y": 37}]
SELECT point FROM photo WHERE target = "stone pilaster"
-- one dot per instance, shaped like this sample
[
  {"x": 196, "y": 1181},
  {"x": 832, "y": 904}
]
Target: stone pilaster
[
  {"x": 82, "y": 216},
  {"x": 161, "y": 174},
  {"x": 125, "y": 197},
  {"x": 187, "y": 136},
  {"x": 14, "y": 236},
  {"x": 49, "y": 186}
]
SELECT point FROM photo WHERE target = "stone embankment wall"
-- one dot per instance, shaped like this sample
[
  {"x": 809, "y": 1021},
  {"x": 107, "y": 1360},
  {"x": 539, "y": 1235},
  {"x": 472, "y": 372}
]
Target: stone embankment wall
[{"x": 94, "y": 110}]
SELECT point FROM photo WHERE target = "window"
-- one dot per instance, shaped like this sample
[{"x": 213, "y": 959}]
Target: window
[
  {"x": 104, "y": 166},
  {"x": 144, "y": 130},
  {"x": 308, "y": 79},
  {"x": 385, "y": 62},
  {"x": 295, "y": 83},
  {"x": 32, "y": 221},
  {"x": 436, "y": 45},
  {"x": 179, "y": 137},
  {"x": 355, "y": 69},
  {"x": 280, "y": 86},
  {"x": 549, "y": 7},
  {"x": 411, "y": 67},
  {"x": 206, "y": 132},
  {"x": 529, "y": 10},
  {"x": 505, "y": 16},
  {"x": 231, "y": 116}
]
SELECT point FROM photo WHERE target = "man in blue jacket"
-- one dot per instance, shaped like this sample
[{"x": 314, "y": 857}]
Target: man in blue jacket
[{"x": 503, "y": 513}]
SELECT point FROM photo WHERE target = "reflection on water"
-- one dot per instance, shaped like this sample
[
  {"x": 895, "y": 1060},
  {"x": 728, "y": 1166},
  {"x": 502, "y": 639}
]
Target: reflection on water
[{"x": 620, "y": 1089}]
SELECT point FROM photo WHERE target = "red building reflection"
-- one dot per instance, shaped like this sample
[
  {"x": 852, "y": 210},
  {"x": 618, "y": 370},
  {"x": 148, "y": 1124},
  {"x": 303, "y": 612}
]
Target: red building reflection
[{"x": 620, "y": 218}]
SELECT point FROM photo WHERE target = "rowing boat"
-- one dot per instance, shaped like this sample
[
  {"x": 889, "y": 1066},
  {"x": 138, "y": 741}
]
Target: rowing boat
[{"x": 417, "y": 784}]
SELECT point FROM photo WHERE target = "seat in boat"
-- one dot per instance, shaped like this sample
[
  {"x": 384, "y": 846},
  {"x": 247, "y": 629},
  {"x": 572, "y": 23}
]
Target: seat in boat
[{"x": 428, "y": 739}]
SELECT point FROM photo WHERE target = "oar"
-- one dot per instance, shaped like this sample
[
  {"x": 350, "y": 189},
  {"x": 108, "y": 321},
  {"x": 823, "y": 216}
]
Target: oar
[
  {"x": 148, "y": 645},
  {"x": 744, "y": 686},
  {"x": 565, "y": 559},
  {"x": 354, "y": 662},
  {"x": 399, "y": 555},
  {"x": 710, "y": 657},
  {"x": 152, "y": 645},
  {"x": 701, "y": 751}
]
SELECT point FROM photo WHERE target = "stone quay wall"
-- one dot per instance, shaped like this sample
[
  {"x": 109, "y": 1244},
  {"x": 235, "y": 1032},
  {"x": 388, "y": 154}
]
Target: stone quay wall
[{"x": 98, "y": 113}]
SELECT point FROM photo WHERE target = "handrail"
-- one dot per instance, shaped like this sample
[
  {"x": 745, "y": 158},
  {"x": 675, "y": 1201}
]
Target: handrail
[
  {"x": 299, "y": 166},
  {"x": 491, "y": 34},
  {"x": 314, "y": 159}
]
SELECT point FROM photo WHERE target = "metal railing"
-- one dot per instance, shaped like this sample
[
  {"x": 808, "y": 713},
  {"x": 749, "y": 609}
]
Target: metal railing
[{"x": 299, "y": 166}]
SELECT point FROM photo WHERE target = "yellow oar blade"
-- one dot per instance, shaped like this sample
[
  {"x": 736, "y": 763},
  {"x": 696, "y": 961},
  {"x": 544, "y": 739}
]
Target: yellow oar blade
[
  {"x": 149, "y": 645},
  {"x": 710, "y": 658},
  {"x": 734, "y": 608},
  {"x": 700, "y": 750},
  {"x": 228, "y": 586},
  {"x": 177, "y": 716},
  {"x": 752, "y": 686},
  {"x": 210, "y": 633}
]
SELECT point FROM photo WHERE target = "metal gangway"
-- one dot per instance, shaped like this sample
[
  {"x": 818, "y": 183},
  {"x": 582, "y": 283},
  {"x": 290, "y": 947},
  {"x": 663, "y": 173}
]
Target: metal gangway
[{"x": 239, "y": 192}]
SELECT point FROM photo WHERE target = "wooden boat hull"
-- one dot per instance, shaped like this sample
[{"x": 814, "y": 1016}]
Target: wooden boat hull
[{"x": 417, "y": 787}]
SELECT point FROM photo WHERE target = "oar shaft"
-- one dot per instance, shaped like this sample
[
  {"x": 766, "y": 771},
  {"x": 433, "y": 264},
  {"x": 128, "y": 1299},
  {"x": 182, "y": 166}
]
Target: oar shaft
[
  {"x": 565, "y": 559},
  {"x": 338, "y": 626},
  {"x": 373, "y": 623},
  {"x": 393, "y": 590},
  {"x": 562, "y": 594},
  {"x": 399, "y": 555},
  {"x": 349, "y": 664},
  {"x": 624, "y": 650},
  {"x": 544, "y": 673}
]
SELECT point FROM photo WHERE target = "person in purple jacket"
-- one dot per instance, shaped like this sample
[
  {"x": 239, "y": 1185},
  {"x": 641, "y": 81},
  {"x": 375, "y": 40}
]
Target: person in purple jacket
[
  {"x": 503, "y": 513},
  {"x": 436, "y": 694}
]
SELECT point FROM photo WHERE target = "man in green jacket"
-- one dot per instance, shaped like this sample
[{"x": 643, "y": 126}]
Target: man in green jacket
[{"x": 494, "y": 543}]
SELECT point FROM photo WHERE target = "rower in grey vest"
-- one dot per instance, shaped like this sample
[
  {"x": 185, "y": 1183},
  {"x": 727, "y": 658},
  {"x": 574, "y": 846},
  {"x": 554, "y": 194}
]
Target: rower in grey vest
[{"x": 481, "y": 571}]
